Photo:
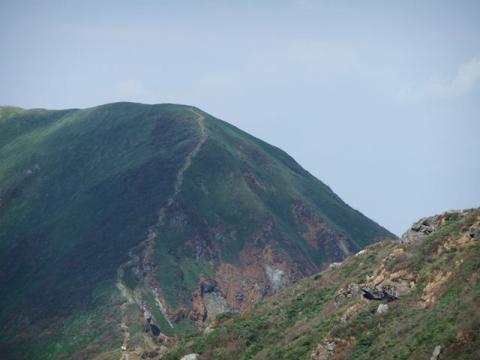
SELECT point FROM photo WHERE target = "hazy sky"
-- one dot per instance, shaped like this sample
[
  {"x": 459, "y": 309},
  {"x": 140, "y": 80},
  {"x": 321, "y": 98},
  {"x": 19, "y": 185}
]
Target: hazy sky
[{"x": 378, "y": 99}]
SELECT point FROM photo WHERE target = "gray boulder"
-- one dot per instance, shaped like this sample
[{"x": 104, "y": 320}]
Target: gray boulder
[
  {"x": 382, "y": 309},
  {"x": 191, "y": 357},
  {"x": 436, "y": 352}
]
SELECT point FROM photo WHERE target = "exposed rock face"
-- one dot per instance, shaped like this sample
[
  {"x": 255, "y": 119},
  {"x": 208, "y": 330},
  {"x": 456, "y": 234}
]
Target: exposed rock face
[
  {"x": 330, "y": 306},
  {"x": 276, "y": 277},
  {"x": 260, "y": 272},
  {"x": 429, "y": 295},
  {"x": 208, "y": 286},
  {"x": 199, "y": 310},
  {"x": 320, "y": 234},
  {"x": 208, "y": 301},
  {"x": 215, "y": 303}
]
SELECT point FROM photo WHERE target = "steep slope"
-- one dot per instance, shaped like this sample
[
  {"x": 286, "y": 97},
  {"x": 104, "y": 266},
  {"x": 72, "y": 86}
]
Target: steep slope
[
  {"x": 128, "y": 217},
  {"x": 414, "y": 299}
]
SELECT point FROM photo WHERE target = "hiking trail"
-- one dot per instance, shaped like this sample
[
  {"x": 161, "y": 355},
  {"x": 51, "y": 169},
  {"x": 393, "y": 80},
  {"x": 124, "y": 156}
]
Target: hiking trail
[{"x": 147, "y": 247}]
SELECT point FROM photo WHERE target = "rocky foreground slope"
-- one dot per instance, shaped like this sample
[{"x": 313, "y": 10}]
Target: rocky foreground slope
[
  {"x": 125, "y": 226},
  {"x": 418, "y": 298}
]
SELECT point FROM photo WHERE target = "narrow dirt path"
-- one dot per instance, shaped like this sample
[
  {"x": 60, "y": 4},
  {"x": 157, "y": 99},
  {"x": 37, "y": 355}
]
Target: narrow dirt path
[
  {"x": 129, "y": 296},
  {"x": 148, "y": 245}
]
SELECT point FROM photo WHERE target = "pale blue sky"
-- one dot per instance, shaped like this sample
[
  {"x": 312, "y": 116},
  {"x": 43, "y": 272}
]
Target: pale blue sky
[{"x": 378, "y": 99}]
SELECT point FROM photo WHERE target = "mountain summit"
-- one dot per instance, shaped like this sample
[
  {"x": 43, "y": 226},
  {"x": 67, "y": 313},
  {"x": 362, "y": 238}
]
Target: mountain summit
[{"x": 126, "y": 224}]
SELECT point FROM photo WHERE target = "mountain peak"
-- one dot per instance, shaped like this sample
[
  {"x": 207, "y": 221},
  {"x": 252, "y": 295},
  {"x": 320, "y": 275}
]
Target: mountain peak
[{"x": 152, "y": 218}]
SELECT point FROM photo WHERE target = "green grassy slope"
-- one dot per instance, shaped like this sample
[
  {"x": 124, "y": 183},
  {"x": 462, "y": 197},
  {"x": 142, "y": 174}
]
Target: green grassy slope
[
  {"x": 79, "y": 188},
  {"x": 220, "y": 194},
  {"x": 441, "y": 307}
]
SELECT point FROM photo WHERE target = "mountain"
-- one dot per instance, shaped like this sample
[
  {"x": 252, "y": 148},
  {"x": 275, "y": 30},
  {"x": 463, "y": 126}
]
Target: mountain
[
  {"x": 414, "y": 299},
  {"x": 126, "y": 226}
]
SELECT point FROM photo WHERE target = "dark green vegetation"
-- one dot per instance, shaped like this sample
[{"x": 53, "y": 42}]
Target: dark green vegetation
[
  {"x": 441, "y": 308},
  {"x": 79, "y": 188}
]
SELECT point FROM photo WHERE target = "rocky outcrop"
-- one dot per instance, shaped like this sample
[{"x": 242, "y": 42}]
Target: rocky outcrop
[
  {"x": 421, "y": 229},
  {"x": 382, "y": 293},
  {"x": 429, "y": 225},
  {"x": 474, "y": 233},
  {"x": 391, "y": 279},
  {"x": 380, "y": 286},
  {"x": 350, "y": 292}
]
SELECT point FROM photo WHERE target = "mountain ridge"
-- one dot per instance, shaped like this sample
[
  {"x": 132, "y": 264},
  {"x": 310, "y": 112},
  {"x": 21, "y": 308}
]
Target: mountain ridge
[{"x": 81, "y": 190}]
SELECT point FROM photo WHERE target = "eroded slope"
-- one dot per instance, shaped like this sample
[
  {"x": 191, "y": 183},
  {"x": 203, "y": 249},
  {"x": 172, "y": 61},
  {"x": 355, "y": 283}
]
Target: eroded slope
[{"x": 415, "y": 299}]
